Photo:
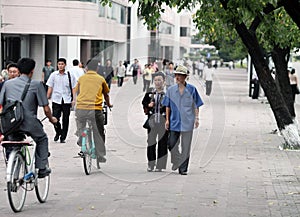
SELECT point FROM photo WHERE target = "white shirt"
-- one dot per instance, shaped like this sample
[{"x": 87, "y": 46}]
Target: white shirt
[
  {"x": 121, "y": 71},
  {"x": 77, "y": 72},
  {"x": 208, "y": 75},
  {"x": 61, "y": 86},
  {"x": 201, "y": 65}
]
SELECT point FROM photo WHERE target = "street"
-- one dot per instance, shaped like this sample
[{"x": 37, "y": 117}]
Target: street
[{"x": 236, "y": 167}]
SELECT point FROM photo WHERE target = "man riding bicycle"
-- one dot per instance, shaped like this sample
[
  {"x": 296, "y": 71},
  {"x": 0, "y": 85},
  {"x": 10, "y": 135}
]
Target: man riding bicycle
[
  {"x": 90, "y": 89},
  {"x": 36, "y": 96}
]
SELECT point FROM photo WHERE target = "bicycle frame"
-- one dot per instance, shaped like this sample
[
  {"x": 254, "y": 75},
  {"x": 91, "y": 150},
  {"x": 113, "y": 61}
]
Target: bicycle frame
[
  {"x": 22, "y": 146},
  {"x": 88, "y": 131}
]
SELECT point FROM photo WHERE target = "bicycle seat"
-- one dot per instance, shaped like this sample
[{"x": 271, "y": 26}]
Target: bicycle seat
[
  {"x": 16, "y": 136},
  {"x": 15, "y": 139}
]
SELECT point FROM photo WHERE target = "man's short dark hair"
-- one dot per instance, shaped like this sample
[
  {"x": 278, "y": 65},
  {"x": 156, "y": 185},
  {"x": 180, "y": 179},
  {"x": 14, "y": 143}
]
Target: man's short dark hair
[
  {"x": 12, "y": 65},
  {"x": 48, "y": 60},
  {"x": 26, "y": 65},
  {"x": 92, "y": 64},
  {"x": 159, "y": 74},
  {"x": 75, "y": 62},
  {"x": 62, "y": 60},
  {"x": 293, "y": 71}
]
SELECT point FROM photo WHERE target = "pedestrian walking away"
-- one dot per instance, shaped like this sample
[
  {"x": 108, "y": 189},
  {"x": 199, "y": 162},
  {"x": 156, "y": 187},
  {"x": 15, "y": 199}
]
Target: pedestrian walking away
[
  {"x": 61, "y": 88},
  {"x": 91, "y": 88},
  {"x": 76, "y": 70},
  {"x": 255, "y": 82},
  {"x": 182, "y": 103},
  {"x": 208, "y": 77},
  {"x": 294, "y": 83},
  {"x": 36, "y": 96},
  {"x": 155, "y": 125}
]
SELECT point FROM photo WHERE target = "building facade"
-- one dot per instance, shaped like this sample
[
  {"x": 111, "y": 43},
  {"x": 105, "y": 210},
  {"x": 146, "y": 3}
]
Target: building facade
[{"x": 84, "y": 29}]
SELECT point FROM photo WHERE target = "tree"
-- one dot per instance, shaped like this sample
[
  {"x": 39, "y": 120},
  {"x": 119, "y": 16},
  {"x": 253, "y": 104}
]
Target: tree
[{"x": 215, "y": 18}]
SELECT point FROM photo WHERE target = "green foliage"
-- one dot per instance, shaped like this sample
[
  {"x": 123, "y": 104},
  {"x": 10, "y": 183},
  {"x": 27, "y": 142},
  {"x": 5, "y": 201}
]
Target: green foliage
[{"x": 216, "y": 20}]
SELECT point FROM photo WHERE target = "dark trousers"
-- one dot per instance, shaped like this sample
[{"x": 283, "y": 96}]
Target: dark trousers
[
  {"x": 255, "y": 91},
  {"x": 108, "y": 81},
  {"x": 57, "y": 110},
  {"x": 34, "y": 128},
  {"x": 134, "y": 75},
  {"x": 208, "y": 85},
  {"x": 180, "y": 159},
  {"x": 97, "y": 120},
  {"x": 157, "y": 133},
  {"x": 120, "y": 81},
  {"x": 146, "y": 85}
]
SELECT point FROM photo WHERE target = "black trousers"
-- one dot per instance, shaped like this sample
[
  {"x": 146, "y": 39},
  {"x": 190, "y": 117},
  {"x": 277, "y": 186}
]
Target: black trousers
[
  {"x": 134, "y": 75},
  {"x": 208, "y": 87},
  {"x": 57, "y": 110},
  {"x": 157, "y": 133},
  {"x": 120, "y": 81}
]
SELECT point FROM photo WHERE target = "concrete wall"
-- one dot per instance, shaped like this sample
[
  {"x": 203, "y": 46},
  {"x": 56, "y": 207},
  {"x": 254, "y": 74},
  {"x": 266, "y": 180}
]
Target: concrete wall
[{"x": 54, "y": 17}]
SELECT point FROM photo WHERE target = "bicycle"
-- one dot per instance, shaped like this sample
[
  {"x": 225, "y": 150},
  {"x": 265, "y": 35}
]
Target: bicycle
[
  {"x": 88, "y": 151},
  {"x": 21, "y": 174}
]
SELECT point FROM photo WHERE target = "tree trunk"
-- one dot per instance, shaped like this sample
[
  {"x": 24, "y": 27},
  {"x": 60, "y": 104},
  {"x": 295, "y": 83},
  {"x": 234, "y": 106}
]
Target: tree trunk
[
  {"x": 280, "y": 59},
  {"x": 282, "y": 115}
]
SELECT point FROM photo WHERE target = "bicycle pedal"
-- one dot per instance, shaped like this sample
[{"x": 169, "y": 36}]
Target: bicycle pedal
[{"x": 81, "y": 154}]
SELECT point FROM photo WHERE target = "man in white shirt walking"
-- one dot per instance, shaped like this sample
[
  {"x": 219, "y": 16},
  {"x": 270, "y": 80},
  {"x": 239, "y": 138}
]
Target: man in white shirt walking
[
  {"x": 61, "y": 88},
  {"x": 208, "y": 77}
]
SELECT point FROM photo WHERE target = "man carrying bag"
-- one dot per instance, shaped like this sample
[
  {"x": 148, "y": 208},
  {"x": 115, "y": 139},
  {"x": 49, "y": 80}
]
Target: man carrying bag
[{"x": 36, "y": 96}]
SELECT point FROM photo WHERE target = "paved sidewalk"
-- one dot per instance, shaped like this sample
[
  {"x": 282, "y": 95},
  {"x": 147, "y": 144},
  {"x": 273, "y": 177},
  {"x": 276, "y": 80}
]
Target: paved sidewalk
[{"x": 236, "y": 168}]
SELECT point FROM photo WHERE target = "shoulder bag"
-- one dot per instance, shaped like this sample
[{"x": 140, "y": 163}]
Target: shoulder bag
[{"x": 12, "y": 114}]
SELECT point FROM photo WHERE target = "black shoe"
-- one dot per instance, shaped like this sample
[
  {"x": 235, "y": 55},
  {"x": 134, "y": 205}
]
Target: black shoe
[
  {"x": 183, "y": 173},
  {"x": 44, "y": 172},
  {"x": 98, "y": 164},
  {"x": 81, "y": 154},
  {"x": 174, "y": 167},
  {"x": 150, "y": 169},
  {"x": 56, "y": 137},
  {"x": 79, "y": 141},
  {"x": 101, "y": 159},
  {"x": 62, "y": 141}
]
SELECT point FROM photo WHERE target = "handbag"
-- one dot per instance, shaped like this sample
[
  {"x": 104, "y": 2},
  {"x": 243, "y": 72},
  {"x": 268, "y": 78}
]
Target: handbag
[
  {"x": 297, "y": 90},
  {"x": 149, "y": 123},
  {"x": 12, "y": 114}
]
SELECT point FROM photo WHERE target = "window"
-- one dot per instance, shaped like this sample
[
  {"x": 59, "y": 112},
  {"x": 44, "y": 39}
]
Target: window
[
  {"x": 101, "y": 11},
  {"x": 184, "y": 32},
  {"x": 166, "y": 28},
  {"x": 115, "y": 12}
]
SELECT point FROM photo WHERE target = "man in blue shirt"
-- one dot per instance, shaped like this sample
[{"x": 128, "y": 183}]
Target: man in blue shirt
[{"x": 182, "y": 103}]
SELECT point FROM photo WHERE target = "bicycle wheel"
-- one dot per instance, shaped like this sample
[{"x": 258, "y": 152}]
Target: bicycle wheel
[
  {"x": 16, "y": 186},
  {"x": 42, "y": 188},
  {"x": 87, "y": 157}
]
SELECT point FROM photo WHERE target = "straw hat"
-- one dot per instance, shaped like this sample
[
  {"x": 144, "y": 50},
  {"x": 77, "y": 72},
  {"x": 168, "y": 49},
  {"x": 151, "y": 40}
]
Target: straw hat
[{"x": 182, "y": 70}]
